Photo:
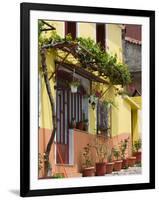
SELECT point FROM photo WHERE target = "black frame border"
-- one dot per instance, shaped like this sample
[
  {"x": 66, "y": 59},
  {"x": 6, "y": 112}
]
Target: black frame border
[{"x": 25, "y": 9}]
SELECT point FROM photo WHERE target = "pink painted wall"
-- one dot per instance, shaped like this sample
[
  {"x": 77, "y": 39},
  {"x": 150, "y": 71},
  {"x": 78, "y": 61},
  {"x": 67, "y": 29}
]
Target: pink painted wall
[{"x": 81, "y": 139}]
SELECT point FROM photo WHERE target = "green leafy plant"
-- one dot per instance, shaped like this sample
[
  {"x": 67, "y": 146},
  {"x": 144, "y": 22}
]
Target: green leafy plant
[
  {"x": 75, "y": 83},
  {"x": 116, "y": 153},
  {"x": 87, "y": 162},
  {"x": 118, "y": 73},
  {"x": 109, "y": 157},
  {"x": 101, "y": 150},
  {"x": 91, "y": 54},
  {"x": 58, "y": 175},
  {"x": 123, "y": 148},
  {"x": 40, "y": 161},
  {"x": 137, "y": 145}
]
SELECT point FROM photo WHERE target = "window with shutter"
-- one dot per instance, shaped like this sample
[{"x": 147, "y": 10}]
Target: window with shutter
[
  {"x": 100, "y": 34},
  {"x": 103, "y": 113},
  {"x": 70, "y": 28}
]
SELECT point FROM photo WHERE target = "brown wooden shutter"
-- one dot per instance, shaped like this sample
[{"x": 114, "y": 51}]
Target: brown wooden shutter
[
  {"x": 70, "y": 28},
  {"x": 100, "y": 35}
]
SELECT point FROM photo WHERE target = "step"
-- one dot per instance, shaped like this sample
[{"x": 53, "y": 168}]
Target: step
[
  {"x": 74, "y": 175},
  {"x": 61, "y": 168}
]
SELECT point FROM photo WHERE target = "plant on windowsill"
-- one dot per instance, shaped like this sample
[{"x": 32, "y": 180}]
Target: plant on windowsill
[
  {"x": 109, "y": 163},
  {"x": 137, "y": 150},
  {"x": 85, "y": 122},
  {"x": 72, "y": 125},
  {"x": 117, "y": 162},
  {"x": 123, "y": 147},
  {"x": 80, "y": 125},
  {"x": 101, "y": 152},
  {"x": 88, "y": 168}
]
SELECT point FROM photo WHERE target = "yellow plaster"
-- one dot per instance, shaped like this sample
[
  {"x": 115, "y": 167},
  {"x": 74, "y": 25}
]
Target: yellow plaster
[
  {"x": 87, "y": 30},
  {"x": 114, "y": 40}
]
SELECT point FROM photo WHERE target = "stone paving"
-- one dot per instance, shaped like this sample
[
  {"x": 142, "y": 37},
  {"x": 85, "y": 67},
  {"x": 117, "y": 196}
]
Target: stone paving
[{"x": 129, "y": 171}]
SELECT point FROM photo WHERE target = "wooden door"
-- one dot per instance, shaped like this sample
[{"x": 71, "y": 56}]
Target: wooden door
[{"x": 68, "y": 106}]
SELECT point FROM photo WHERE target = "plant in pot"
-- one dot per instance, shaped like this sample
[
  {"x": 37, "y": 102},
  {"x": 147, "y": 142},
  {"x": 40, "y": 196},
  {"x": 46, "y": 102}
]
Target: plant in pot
[
  {"x": 80, "y": 125},
  {"x": 101, "y": 152},
  {"x": 85, "y": 123},
  {"x": 109, "y": 164},
  {"x": 88, "y": 168},
  {"x": 85, "y": 126},
  {"x": 74, "y": 84},
  {"x": 137, "y": 150},
  {"x": 117, "y": 162},
  {"x": 123, "y": 148},
  {"x": 72, "y": 125},
  {"x": 131, "y": 161}
]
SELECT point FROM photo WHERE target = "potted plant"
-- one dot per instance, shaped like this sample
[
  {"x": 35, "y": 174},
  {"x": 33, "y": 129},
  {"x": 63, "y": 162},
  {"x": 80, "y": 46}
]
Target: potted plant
[
  {"x": 88, "y": 169},
  {"x": 136, "y": 148},
  {"x": 109, "y": 164},
  {"x": 85, "y": 126},
  {"x": 80, "y": 125},
  {"x": 131, "y": 161},
  {"x": 74, "y": 84},
  {"x": 85, "y": 123},
  {"x": 123, "y": 148},
  {"x": 72, "y": 124},
  {"x": 117, "y": 162},
  {"x": 101, "y": 152}
]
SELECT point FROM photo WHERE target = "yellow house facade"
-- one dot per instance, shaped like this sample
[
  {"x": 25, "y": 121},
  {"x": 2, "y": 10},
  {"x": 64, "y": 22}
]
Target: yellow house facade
[{"x": 123, "y": 118}]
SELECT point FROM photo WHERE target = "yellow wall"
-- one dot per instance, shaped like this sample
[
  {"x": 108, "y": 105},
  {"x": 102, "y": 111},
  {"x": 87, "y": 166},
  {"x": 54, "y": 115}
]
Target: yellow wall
[
  {"x": 92, "y": 120},
  {"x": 45, "y": 120},
  {"x": 86, "y": 30},
  {"x": 60, "y": 28},
  {"x": 114, "y": 40},
  {"x": 121, "y": 114}
]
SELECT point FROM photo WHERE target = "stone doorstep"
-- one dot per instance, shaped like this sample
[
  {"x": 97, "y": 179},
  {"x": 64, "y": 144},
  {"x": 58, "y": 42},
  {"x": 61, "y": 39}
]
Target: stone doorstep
[
  {"x": 74, "y": 175},
  {"x": 69, "y": 168}
]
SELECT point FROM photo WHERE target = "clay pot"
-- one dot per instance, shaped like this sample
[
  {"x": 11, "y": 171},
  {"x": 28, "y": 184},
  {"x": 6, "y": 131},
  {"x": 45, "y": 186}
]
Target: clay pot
[
  {"x": 138, "y": 156},
  {"x": 100, "y": 169},
  {"x": 125, "y": 164},
  {"x": 109, "y": 167},
  {"x": 117, "y": 165},
  {"x": 89, "y": 171},
  {"x": 131, "y": 161}
]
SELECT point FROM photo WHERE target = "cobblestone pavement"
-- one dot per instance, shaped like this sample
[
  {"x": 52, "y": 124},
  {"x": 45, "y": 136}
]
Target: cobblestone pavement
[{"x": 129, "y": 171}]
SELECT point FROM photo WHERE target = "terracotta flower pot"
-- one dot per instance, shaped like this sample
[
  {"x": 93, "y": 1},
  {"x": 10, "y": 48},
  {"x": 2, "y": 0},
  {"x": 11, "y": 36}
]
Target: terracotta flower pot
[
  {"x": 89, "y": 171},
  {"x": 109, "y": 167},
  {"x": 131, "y": 161},
  {"x": 100, "y": 169},
  {"x": 138, "y": 156},
  {"x": 117, "y": 165},
  {"x": 125, "y": 164}
]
